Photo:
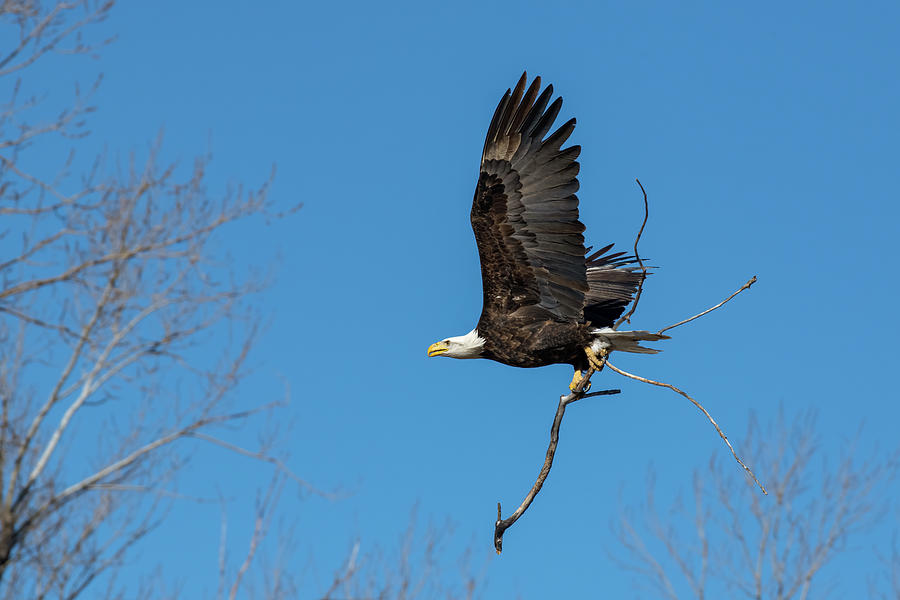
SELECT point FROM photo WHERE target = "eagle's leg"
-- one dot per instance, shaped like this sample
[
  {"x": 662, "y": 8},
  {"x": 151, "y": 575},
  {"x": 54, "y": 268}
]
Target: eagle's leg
[
  {"x": 576, "y": 379},
  {"x": 596, "y": 358}
]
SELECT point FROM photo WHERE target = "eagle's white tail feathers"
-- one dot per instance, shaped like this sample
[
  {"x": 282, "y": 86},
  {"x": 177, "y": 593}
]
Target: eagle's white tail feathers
[{"x": 625, "y": 341}]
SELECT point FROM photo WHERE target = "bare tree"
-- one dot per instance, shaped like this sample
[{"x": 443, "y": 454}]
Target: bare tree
[
  {"x": 733, "y": 542},
  {"x": 113, "y": 289}
]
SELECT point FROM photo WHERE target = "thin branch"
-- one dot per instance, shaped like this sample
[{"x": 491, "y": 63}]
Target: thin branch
[
  {"x": 90, "y": 386},
  {"x": 261, "y": 456},
  {"x": 665, "y": 535},
  {"x": 746, "y": 286},
  {"x": 38, "y": 322},
  {"x": 629, "y": 538},
  {"x": 35, "y": 248},
  {"x": 223, "y": 546},
  {"x": 502, "y": 524},
  {"x": 64, "y": 201},
  {"x": 119, "y": 487},
  {"x": 703, "y": 410},
  {"x": 637, "y": 297},
  {"x": 600, "y": 393},
  {"x": 51, "y": 401},
  {"x": 125, "y": 255},
  {"x": 128, "y": 460},
  {"x": 35, "y": 35},
  {"x": 700, "y": 518},
  {"x": 264, "y": 510},
  {"x": 343, "y": 578}
]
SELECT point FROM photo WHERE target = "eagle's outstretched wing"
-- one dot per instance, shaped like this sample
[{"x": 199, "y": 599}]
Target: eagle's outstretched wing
[{"x": 525, "y": 211}]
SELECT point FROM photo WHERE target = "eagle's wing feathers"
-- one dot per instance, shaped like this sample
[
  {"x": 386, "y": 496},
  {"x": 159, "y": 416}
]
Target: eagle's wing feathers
[
  {"x": 525, "y": 211},
  {"x": 613, "y": 280}
]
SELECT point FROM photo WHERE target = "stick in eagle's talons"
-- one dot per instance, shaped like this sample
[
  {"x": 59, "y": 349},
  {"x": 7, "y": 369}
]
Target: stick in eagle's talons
[{"x": 576, "y": 379}]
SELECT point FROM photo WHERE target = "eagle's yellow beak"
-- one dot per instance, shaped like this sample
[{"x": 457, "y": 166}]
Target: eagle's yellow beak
[{"x": 437, "y": 348}]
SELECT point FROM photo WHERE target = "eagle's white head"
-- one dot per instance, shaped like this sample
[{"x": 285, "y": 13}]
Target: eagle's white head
[{"x": 461, "y": 346}]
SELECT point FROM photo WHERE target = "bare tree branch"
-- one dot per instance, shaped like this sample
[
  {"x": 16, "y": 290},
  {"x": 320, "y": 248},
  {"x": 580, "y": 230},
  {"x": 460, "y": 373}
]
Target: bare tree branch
[
  {"x": 117, "y": 284},
  {"x": 262, "y": 456},
  {"x": 650, "y": 567},
  {"x": 47, "y": 25},
  {"x": 261, "y": 524},
  {"x": 409, "y": 572}
]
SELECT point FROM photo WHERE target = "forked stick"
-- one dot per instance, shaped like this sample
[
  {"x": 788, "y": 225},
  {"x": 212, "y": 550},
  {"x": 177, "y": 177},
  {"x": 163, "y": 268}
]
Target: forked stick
[{"x": 501, "y": 525}]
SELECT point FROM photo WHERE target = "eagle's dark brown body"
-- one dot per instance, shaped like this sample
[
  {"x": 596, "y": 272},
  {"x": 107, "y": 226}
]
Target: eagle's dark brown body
[{"x": 529, "y": 343}]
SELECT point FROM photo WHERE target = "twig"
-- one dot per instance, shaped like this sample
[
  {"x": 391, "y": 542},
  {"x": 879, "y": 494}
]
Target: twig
[
  {"x": 746, "y": 286},
  {"x": 600, "y": 393},
  {"x": 262, "y": 456},
  {"x": 130, "y": 459},
  {"x": 118, "y": 487},
  {"x": 264, "y": 509},
  {"x": 637, "y": 297},
  {"x": 347, "y": 575},
  {"x": 703, "y": 410},
  {"x": 502, "y": 524},
  {"x": 223, "y": 546}
]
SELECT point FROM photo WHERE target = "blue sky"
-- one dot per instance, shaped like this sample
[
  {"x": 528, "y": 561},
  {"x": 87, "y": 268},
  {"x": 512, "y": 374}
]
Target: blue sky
[{"x": 764, "y": 133}]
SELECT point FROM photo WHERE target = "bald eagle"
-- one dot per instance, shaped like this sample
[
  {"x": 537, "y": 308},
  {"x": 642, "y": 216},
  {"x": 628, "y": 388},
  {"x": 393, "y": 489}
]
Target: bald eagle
[{"x": 545, "y": 300}]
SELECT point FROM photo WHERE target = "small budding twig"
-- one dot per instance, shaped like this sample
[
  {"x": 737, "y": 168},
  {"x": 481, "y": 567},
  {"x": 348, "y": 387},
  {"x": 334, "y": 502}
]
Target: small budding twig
[
  {"x": 702, "y": 409},
  {"x": 502, "y": 524}
]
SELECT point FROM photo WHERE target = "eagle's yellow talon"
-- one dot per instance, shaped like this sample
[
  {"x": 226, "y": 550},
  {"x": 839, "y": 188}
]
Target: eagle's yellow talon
[
  {"x": 595, "y": 361},
  {"x": 576, "y": 379}
]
